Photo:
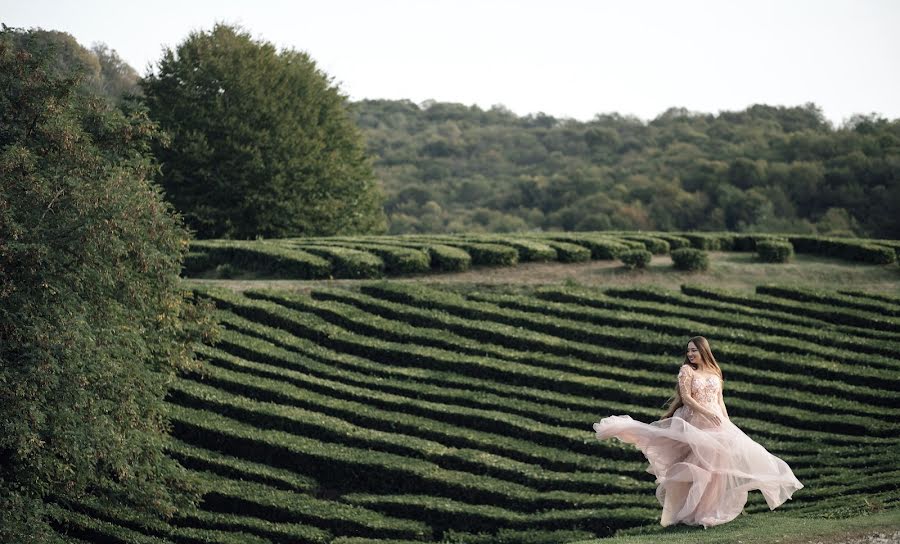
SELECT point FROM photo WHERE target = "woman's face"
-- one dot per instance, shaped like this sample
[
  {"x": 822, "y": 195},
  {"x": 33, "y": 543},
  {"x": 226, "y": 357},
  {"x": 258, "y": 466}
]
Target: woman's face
[{"x": 693, "y": 353}]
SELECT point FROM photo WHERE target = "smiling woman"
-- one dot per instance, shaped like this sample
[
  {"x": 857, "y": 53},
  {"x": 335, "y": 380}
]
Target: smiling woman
[{"x": 703, "y": 463}]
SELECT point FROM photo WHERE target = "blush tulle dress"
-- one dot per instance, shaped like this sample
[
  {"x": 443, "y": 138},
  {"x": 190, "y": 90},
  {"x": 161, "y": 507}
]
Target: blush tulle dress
[{"x": 703, "y": 471}]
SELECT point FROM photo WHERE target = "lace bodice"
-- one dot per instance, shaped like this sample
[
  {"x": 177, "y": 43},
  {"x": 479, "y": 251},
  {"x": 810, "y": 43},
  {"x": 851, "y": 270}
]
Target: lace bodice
[{"x": 703, "y": 388}]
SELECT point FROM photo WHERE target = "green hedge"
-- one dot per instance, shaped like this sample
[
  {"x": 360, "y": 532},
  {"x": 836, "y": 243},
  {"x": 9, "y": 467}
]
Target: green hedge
[
  {"x": 824, "y": 312},
  {"x": 774, "y": 251},
  {"x": 690, "y": 259},
  {"x": 635, "y": 258},
  {"x": 386, "y": 428},
  {"x": 397, "y": 260},
  {"x": 576, "y": 335},
  {"x": 258, "y": 256},
  {"x": 803, "y": 294},
  {"x": 347, "y": 262},
  {"x": 801, "y": 336},
  {"x": 590, "y": 315},
  {"x": 844, "y": 248}
]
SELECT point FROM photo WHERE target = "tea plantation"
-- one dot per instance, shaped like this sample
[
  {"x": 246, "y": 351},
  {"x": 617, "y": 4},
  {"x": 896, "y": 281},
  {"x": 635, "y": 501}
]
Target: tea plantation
[{"x": 392, "y": 412}]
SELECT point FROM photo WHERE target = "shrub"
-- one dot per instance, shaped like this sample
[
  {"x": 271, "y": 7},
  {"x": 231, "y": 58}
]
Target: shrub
[
  {"x": 94, "y": 323},
  {"x": 774, "y": 251},
  {"x": 688, "y": 258},
  {"x": 635, "y": 258}
]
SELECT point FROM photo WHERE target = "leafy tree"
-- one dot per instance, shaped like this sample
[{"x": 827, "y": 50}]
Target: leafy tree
[
  {"x": 262, "y": 143},
  {"x": 101, "y": 70},
  {"x": 117, "y": 78},
  {"x": 93, "y": 320}
]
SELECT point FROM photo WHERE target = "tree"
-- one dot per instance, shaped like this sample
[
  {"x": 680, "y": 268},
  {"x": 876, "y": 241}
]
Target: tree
[
  {"x": 117, "y": 77},
  {"x": 101, "y": 71},
  {"x": 93, "y": 320},
  {"x": 262, "y": 142}
]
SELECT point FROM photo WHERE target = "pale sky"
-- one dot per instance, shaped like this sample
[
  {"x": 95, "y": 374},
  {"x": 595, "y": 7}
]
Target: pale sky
[{"x": 564, "y": 58}]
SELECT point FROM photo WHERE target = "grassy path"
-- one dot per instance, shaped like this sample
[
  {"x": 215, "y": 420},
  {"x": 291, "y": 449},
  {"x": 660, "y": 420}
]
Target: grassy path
[
  {"x": 728, "y": 270},
  {"x": 774, "y": 527}
]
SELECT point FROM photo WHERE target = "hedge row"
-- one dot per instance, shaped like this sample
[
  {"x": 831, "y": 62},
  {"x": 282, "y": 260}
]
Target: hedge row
[
  {"x": 824, "y": 312},
  {"x": 506, "y": 332},
  {"x": 576, "y": 311},
  {"x": 487, "y": 367},
  {"x": 665, "y": 303},
  {"x": 394, "y": 312},
  {"x": 387, "y": 428},
  {"x": 397, "y": 260},
  {"x": 258, "y": 256},
  {"x": 826, "y": 297},
  {"x": 881, "y": 297},
  {"x": 844, "y": 248},
  {"x": 635, "y": 340},
  {"x": 345, "y": 467},
  {"x": 472, "y": 391},
  {"x": 349, "y": 468},
  {"x": 577, "y": 418},
  {"x": 445, "y": 514},
  {"x": 347, "y": 262},
  {"x": 202, "y": 459}
]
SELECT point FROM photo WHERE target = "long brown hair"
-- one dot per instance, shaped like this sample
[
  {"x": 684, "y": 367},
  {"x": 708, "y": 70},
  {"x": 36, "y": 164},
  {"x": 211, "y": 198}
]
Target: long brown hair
[{"x": 707, "y": 364}]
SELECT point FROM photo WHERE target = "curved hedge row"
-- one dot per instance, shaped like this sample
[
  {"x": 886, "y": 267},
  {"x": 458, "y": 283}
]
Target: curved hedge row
[{"x": 399, "y": 414}]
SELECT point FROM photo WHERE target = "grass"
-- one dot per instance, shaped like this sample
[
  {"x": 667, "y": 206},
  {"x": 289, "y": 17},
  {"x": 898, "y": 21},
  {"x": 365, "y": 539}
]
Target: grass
[{"x": 769, "y": 527}]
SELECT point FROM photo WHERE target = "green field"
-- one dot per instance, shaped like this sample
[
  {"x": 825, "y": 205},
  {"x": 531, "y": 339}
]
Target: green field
[{"x": 403, "y": 411}]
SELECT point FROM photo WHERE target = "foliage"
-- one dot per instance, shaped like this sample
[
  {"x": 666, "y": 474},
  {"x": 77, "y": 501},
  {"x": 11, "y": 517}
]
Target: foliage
[
  {"x": 100, "y": 69},
  {"x": 763, "y": 169},
  {"x": 635, "y": 258},
  {"x": 93, "y": 322},
  {"x": 774, "y": 251},
  {"x": 262, "y": 142},
  {"x": 688, "y": 258}
]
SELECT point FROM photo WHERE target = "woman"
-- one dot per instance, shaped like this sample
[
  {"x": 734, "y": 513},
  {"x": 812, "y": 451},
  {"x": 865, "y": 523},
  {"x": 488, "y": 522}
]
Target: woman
[{"x": 704, "y": 464}]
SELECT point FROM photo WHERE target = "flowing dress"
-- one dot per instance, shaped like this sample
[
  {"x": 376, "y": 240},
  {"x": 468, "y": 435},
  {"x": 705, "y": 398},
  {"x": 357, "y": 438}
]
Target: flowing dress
[{"x": 703, "y": 471}]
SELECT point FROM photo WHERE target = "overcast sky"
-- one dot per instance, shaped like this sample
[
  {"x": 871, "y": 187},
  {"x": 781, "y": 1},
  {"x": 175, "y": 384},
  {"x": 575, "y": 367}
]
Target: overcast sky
[{"x": 564, "y": 58}]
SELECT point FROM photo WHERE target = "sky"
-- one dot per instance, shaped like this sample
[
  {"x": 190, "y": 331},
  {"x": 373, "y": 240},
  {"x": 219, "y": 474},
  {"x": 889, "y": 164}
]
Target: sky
[{"x": 571, "y": 59}]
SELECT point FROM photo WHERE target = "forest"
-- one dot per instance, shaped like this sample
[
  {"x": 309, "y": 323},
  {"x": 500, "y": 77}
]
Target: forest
[{"x": 449, "y": 167}]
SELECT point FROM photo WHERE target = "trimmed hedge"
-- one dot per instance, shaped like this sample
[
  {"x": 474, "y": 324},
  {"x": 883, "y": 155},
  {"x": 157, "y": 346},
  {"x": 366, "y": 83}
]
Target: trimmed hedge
[
  {"x": 635, "y": 258},
  {"x": 347, "y": 262},
  {"x": 258, "y": 256},
  {"x": 774, "y": 251},
  {"x": 827, "y": 297},
  {"x": 844, "y": 248},
  {"x": 690, "y": 259}
]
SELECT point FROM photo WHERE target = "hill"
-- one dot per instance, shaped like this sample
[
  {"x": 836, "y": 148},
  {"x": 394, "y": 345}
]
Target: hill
[
  {"x": 449, "y": 167},
  {"x": 399, "y": 412}
]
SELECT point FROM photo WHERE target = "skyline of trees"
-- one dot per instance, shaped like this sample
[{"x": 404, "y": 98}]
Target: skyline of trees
[{"x": 448, "y": 167}]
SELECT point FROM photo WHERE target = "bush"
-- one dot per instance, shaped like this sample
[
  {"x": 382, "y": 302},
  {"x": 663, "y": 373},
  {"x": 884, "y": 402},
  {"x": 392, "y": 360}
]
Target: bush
[
  {"x": 688, "y": 258},
  {"x": 774, "y": 251},
  {"x": 94, "y": 323},
  {"x": 635, "y": 258}
]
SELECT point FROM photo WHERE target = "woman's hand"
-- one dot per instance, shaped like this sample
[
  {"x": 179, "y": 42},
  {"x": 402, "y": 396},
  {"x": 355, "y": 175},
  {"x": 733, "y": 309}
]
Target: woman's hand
[{"x": 714, "y": 417}]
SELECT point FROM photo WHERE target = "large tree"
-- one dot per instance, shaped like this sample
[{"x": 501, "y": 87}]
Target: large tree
[
  {"x": 262, "y": 143},
  {"x": 94, "y": 322}
]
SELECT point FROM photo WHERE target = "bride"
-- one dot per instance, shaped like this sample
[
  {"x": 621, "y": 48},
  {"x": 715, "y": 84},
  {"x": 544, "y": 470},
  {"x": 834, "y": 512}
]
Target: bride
[{"x": 703, "y": 463}]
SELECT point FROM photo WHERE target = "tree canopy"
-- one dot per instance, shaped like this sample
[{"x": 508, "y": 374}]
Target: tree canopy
[
  {"x": 450, "y": 168},
  {"x": 93, "y": 321},
  {"x": 263, "y": 144}
]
